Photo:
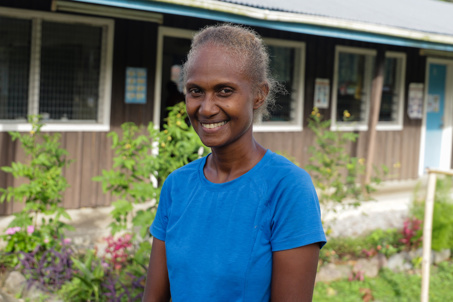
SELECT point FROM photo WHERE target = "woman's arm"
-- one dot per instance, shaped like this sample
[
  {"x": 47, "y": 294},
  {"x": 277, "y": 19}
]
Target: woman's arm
[
  {"x": 294, "y": 273},
  {"x": 157, "y": 288}
]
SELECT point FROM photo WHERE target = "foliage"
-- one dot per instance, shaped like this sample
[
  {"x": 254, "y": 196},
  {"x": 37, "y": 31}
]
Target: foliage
[
  {"x": 49, "y": 269},
  {"x": 386, "y": 242},
  {"x": 389, "y": 286},
  {"x": 412, "y": 233},
  {"x": 46, "y": 183},
  {"x": 442, "y": 228},
  {"x": 96, "y": 279},
  {"x": 336, "y": 174},
  {"x": 136, "y": 164},
  {"x": 42, "y": 192},
  {"x": 87, "y": 282},
  {"x": 29, "y": 240},
  {"x": 117, "y": 250}
]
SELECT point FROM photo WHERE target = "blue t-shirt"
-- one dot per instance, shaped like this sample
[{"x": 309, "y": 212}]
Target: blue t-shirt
[{"x": 219, "y": 238}]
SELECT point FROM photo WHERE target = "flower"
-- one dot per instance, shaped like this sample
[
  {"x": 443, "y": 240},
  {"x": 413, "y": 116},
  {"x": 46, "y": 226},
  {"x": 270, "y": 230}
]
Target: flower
[
  {"x": 169, "y": 138},
  {"x": 46, "y": 240},
  {"x": 67, "y": 240},
  {"x": 162, "y": 145},
  {"x": 346, "y": 114},
  {"x": 30, "y": 229},
  {"x": 178, "y": 123},
  {"x": 12, "y": 231}
]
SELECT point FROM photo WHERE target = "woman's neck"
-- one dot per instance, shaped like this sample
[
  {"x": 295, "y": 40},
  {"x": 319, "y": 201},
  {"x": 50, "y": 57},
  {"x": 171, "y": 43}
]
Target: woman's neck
[{"x": 226, "y": 164}]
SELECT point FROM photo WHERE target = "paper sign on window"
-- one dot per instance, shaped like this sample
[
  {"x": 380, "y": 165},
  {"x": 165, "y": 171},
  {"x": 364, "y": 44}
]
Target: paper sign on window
[
  {"x": 322, "y": 89},
  {"x": 415, "y": 106},
  {"x": 135, "y": 85}
]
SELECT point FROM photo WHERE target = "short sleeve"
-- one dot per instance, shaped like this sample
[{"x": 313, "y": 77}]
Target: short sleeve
[
  {"x": 296, "y": 216},
  {"x": 158, "y": 228}
]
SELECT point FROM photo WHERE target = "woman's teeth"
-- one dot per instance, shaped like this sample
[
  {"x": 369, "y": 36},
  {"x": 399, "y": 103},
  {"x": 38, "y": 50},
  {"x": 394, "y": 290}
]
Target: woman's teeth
[{"x": 214, "y": 125}]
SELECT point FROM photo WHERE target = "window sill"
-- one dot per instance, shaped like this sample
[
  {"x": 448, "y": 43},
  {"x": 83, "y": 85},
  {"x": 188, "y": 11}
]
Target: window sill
[
  {"x": 70, "y": 127},
  {"x": 363, "y": 127},
  {"x": 277, "y": 128}
]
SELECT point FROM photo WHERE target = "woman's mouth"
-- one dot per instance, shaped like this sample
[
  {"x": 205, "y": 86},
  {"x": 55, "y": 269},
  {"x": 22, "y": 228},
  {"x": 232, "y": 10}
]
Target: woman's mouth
[{"x": 213, "y": 125}]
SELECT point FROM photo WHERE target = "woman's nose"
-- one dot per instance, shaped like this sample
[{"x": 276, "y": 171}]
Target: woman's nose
[{"x": 208, "y": 106}]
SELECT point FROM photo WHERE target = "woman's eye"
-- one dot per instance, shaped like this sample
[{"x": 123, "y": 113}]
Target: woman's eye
[
  {"x": 195, "y": 91},
  {"x": 226, "y": 91}
]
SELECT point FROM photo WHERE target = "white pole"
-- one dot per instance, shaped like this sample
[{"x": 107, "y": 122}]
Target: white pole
[{"x": 427, "y": 231}]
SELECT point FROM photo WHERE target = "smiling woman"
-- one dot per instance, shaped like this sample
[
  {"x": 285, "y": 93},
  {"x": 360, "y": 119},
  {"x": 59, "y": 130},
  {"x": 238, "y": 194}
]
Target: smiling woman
[{"x": 243, "y": 223}]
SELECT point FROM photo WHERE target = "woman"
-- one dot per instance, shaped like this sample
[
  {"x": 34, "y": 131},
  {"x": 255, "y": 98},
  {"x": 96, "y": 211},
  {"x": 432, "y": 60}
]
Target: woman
[{"x": 243, "y": 223}]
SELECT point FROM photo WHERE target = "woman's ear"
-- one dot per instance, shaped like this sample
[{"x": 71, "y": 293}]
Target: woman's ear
[{"x": 261, "y": 95}]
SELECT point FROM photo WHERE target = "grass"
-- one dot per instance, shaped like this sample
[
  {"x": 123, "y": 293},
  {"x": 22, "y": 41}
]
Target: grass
[{"x": 389, "y": 287}]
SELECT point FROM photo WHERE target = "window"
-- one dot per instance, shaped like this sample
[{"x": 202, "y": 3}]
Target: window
[
  {"x": 287, "y": 66},
  {"x": 57, "y": 66},
  {"x": 352, "y": 86}
]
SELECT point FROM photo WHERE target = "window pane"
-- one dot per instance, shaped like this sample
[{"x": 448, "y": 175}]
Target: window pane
[
  {"x": 390, "y": 97},
  {"x": 14, "y": 67},
  {"x": 283, "y": 64},
  {"x": 351, "y": 94},
  {"x": 70, "y": 71}
]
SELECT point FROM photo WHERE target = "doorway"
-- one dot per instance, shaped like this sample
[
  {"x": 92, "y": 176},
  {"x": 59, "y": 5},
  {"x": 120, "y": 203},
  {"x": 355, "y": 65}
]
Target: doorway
[
  {"x": 174, "y": 44},
  {"x": 437, "y": 122}
]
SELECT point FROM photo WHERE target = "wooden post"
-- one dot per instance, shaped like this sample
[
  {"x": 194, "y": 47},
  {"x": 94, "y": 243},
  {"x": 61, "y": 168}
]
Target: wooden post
[
  {"x": 427, "y": 232},
  {"x": 375, "y": 106}
]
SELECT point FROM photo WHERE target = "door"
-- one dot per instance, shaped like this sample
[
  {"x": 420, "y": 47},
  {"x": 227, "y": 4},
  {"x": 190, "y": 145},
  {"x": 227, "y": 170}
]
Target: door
[{"x": 438, "y": 107}]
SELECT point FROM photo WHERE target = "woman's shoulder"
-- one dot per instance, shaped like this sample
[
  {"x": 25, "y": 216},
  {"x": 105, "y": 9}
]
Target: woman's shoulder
[
  {"x": 279, "y": 165},
  {"x": 187, "y": 170}
]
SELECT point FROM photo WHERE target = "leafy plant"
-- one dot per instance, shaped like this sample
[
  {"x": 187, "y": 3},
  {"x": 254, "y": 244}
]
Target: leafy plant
[
  {"x": 336, "y": 174},
  {"x": 49, "y": 269},
  {"x": 142, "y": 156},
  {"x": 42, "y": 192},
  {"x": 442, "y": 228},
  {"x": 86, "y": 284},
  {"x": 412, "y": 233}
]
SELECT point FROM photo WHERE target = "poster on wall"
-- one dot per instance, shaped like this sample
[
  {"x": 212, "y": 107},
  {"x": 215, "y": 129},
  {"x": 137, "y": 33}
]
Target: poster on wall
[
  {"x": 415, "y": 103},
  {"x": 322, "y": 89},
  {"x": 135, "y": 92}
]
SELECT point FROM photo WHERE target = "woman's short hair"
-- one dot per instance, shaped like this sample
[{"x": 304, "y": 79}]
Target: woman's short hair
[{"x": 245, "y": 44}]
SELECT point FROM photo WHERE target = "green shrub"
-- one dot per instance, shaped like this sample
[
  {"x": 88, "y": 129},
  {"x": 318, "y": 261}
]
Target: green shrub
[
  {"x": 41, "y": 193},
  {"x": 442, "y": 228},
  {"x": 336, "y": 174},
  {"x": 141, "y": 155}
]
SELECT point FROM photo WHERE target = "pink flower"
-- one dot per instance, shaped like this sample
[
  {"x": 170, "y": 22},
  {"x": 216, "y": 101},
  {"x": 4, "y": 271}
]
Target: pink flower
[
  {"x": 12, "y": 231},
  {"x": 30, "y": 229},
  {"x": 46, "y": 240},
  {"x": 67, "y": 240}
]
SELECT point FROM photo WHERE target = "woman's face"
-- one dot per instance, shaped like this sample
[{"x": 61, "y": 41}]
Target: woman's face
[{"x": 220, "y": 98}]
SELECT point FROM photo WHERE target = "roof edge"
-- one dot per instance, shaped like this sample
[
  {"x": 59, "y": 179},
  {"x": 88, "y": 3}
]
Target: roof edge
[{"x": 269, "y": 15}]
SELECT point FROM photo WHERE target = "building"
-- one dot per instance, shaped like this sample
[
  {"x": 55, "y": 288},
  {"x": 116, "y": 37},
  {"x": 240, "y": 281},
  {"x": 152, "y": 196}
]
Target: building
[{"x": 78, "y": 62}]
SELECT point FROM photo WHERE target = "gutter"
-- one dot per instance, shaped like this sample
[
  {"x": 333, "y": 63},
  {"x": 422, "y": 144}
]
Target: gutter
[{"x": 285, "y": 21}]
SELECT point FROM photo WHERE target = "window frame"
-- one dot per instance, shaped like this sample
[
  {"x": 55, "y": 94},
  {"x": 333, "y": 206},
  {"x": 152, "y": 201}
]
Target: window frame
[
  {"x": 401, "y": 74},
  {"x": 105, "y": 78},
  {"x": 299, "y": 79}
]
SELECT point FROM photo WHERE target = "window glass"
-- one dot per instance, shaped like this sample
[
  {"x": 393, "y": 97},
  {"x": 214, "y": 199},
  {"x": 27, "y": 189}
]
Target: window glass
[
  {"x": 14, "y": 67},
  {"x": 390, "y": 91},
  {"x": 283, "y": 65},
  {"x": 70, "y": 71},
  {"x": 351, "y": 94}
]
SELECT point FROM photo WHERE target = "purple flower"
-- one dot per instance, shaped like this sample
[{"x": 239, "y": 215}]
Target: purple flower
[{"x": 30, "y": 229}]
